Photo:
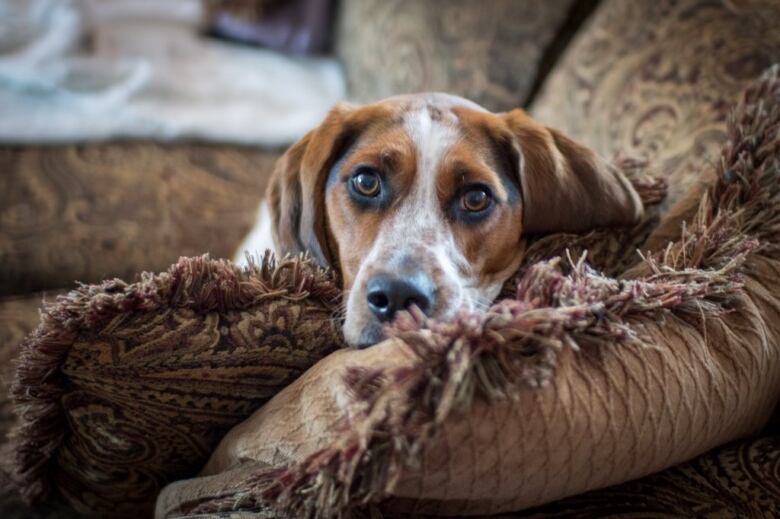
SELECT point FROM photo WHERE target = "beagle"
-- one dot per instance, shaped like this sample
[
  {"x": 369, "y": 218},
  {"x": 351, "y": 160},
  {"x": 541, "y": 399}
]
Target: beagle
[{"x": 423, "y": 199}]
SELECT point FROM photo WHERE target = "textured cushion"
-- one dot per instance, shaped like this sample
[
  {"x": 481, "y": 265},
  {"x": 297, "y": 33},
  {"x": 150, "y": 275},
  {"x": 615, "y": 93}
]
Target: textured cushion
[
  {"x": 488, "y": 51},
  {"x": 655, "y": 79},
  {"x": 733, "y": 481},
  {"x": 123, "y": 387},
  {"x": 94, "y": 211}
]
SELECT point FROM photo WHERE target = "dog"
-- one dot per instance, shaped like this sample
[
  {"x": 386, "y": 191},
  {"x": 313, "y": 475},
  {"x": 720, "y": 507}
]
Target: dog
[{"x": 423, "y": 199}]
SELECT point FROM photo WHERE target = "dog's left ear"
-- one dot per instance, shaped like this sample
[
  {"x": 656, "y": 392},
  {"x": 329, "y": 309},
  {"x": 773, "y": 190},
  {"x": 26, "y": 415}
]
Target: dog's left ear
[{"x": 565, "y": 186}]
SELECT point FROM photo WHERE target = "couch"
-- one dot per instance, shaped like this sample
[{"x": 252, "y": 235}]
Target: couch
[{"x": 653, "y": 79}]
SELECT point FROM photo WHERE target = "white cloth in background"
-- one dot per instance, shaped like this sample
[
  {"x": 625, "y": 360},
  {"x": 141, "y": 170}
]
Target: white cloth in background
[{"x": 91, "y": 70}]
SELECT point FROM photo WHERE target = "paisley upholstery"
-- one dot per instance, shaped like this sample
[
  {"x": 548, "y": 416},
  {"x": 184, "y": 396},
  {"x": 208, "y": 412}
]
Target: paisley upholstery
[
  {"x": 656, "y": 79},
  {"x": 19, "y": 315},
  {"x": 133, "y": 385},
  {"x": 487, "y": 51},
  {"x": 95, "y": 211}
]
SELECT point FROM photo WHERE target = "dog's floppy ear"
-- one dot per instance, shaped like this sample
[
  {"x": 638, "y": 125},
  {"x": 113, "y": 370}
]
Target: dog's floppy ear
[
  {"x": 565, "y": 186},
  {"x": 296, "y": 193}
]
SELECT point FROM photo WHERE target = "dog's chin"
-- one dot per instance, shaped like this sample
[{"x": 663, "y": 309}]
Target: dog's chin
[{"x": 365, "y": 337}]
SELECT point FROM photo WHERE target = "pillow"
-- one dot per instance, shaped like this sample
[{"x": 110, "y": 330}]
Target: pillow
[
  {"x": 577, "y": 382},
  {"x": 125, "y": 387},
  {"x": 635, "y": 80}
]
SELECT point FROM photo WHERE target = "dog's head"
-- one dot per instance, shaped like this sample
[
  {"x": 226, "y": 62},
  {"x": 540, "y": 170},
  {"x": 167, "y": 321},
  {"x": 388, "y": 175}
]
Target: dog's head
[{"x": 422, "y": 200}]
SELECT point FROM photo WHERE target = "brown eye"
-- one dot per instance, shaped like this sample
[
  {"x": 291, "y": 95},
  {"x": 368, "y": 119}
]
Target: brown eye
[
  {"x": 475, "y": 200},
  {"x": 366, "y": 183}
]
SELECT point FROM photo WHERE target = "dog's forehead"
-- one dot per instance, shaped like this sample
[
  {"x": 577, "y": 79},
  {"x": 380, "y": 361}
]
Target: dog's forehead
[
  {"x": 433, "y": 131},
  {"x": 438, "y": 100},
  {"x": 408, "y": 108},
  {"x": 420, "y": 117},
  {"x": 431, "y": 121}
]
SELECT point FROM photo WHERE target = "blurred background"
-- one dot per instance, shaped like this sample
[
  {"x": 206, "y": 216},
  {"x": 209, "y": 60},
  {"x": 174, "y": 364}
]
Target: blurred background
[{"x": 233, "y": 71}]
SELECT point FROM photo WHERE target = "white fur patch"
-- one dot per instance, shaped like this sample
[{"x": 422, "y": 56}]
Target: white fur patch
[
  {"x": 433, "y": 139},
  {"x": 259, "y": 238}
]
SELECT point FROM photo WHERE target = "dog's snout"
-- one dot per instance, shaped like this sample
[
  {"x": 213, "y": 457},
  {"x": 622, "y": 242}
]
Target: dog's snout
[{"x": 386, "y": 294}]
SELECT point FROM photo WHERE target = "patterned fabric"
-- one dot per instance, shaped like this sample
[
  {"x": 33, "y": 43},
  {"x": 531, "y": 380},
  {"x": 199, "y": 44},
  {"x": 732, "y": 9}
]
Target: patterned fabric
[
  {"x": 124, "y": 388},
  {"x": 96, "y": 211},
  {"x": 656, "y": 79},
  {"x": 487, "y": 51}
]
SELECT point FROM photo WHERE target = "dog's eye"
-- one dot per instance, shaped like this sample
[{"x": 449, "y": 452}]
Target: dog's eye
[
  {"x": 475, "y": 200},
  {"x": 366, "y": 183}
]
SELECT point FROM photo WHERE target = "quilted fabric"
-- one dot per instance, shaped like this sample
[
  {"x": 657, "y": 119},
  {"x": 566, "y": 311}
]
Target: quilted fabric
[
  {"x": 91, "y": 212},
  {"x": 488, "y": 51},
  {"x": 655, "y": 79}
]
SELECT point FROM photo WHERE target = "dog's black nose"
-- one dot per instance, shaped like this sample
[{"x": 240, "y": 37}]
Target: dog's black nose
[{"x": 387, "y": 293}]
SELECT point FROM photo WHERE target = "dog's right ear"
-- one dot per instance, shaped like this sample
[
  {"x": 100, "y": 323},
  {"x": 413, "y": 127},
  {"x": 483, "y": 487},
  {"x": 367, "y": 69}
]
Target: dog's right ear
[
  {"x": 566, "y": 187},
  {"x": 296, "y": 194}
]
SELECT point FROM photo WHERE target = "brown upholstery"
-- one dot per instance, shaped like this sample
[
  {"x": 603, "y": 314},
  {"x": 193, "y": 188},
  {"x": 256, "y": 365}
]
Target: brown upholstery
[
  {"x": 656, "y": 79},
  {"x": 488, "y": 51},
  {"x": 19, "y": 315},
  {"x": 90, "y": 212},
  {"x": 736, "y": 481}
]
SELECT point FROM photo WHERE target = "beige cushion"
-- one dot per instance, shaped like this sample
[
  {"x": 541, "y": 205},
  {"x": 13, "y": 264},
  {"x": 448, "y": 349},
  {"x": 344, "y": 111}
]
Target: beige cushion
[
  {"x": 488, "y": 51},
  {"x": 656, "y": 79}
]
